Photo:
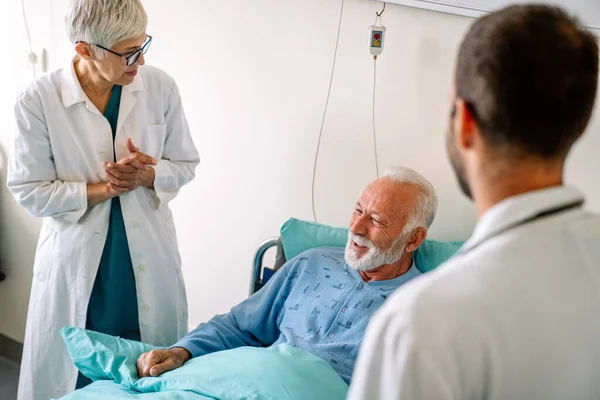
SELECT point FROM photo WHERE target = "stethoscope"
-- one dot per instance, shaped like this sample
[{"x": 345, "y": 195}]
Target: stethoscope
[{"x": 535, "y": 217}]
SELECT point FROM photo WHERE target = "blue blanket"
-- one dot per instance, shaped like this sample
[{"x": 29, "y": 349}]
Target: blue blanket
[
  {"x": 109, "y": 390},
  {"x": 276, "y": 373}
]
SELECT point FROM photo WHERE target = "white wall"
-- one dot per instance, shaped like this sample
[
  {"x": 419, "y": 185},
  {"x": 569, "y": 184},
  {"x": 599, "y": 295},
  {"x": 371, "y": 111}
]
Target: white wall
[
  {"x": 254, "y": 76},
  {"x": 256, "y": 100}
]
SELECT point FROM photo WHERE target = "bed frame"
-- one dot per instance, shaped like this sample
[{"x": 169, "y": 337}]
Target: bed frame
[{"x": 261, "y": 273}]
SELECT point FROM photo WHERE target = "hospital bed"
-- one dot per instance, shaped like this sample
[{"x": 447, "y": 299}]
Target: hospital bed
[{"x": 122, "y": 382}]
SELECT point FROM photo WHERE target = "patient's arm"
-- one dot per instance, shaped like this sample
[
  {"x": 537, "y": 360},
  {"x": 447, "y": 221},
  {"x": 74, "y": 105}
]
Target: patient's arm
[{"x": 253, "y": 322}]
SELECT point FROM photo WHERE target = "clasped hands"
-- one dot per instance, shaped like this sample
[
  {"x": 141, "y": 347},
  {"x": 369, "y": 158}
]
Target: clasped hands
[{"x": 130, "y": 172}]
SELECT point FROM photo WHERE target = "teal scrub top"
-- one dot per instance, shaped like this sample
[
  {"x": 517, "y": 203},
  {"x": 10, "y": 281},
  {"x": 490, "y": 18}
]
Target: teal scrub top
[{"x": 113, "y": 307}]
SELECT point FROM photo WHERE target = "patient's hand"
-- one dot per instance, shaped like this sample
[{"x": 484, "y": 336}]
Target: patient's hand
[{"x": 157, "y": 362}]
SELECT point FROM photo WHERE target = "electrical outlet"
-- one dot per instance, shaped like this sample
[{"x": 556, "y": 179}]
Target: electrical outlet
[{"x": 36, "y": 61}]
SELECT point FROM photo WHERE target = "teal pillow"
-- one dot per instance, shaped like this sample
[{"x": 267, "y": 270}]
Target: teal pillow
[
  {"x": 279, "y": 372},
  {"x": 99, "y": 356},
  {"x": 432, "y": 253},
  {"x": 298, "y": 236}
]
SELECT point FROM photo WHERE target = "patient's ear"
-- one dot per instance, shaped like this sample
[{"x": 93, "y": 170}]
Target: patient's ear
[{"x": 417, "y": 237}]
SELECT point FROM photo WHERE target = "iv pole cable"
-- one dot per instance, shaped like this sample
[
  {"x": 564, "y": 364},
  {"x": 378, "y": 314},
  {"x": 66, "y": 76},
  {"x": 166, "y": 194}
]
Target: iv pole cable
[
  {"x": 337, "y": 41},
  {"x": 373, "y": 115},
  {"x": 31, "y": 53}
]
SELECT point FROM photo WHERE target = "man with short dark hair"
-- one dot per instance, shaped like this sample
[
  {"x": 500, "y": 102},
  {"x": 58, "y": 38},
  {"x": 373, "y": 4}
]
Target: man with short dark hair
[{"x": 514, "y": 315}]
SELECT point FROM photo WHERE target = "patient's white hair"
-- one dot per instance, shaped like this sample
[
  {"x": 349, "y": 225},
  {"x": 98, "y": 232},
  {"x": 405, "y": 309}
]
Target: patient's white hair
[
  {"x": 105, "y": 22},
  {"x": 421, "y": 216},
  {"x": 427, "y": 201}
]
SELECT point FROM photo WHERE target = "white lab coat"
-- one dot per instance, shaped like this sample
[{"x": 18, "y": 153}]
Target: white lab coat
[
  {"x": 61, "y": 142},
  {"x": 513, "y": 316}
]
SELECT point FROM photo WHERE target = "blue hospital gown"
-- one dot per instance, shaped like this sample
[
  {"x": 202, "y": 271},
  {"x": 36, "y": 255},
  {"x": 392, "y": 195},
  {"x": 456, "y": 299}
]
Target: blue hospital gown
[
  {"x": 113, "y": 307},
  {"x": 316, "y": 302}
]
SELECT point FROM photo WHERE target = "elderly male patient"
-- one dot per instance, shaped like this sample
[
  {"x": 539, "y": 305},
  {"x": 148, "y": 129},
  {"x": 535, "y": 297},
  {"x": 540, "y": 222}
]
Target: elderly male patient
[{"x": 321, "y": 301}]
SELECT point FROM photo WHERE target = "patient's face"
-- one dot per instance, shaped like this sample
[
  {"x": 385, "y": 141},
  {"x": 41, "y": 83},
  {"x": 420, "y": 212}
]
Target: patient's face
[{"x": 377, "y": 224}]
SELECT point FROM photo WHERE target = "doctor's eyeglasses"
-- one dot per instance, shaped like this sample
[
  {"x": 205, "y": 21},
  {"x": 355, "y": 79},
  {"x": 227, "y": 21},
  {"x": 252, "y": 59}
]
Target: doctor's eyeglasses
[{"x": 130, "y": 59}]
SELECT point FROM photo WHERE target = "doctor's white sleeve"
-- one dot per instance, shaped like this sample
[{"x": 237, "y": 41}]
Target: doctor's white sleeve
[
  {"x": 31, "y": 176},
  {"x": 180, "y": 157}
]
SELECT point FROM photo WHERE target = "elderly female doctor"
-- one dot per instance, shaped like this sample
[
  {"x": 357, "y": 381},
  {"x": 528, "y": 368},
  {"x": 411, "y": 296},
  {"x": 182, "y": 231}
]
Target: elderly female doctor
[{"x": 102, "y": 147}]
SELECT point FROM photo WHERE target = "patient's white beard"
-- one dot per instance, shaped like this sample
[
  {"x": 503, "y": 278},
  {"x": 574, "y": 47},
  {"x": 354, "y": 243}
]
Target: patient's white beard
[{"x": 375, "y": 257}]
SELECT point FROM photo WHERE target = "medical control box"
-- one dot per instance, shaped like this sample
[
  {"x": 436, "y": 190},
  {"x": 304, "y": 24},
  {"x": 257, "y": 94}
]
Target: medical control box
[{"x": 376, "y": 39}]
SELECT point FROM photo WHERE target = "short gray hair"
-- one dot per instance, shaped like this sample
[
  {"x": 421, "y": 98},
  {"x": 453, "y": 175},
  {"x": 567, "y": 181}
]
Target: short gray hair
[
  {"x": 427, "y": 201},
  {"x": 105, "y": 22}
]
